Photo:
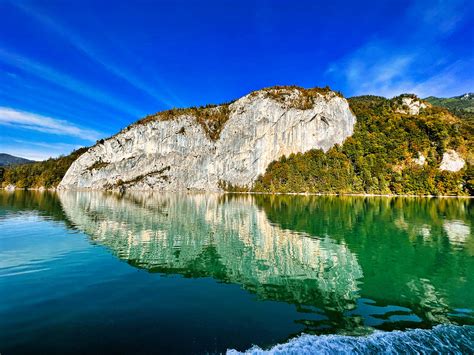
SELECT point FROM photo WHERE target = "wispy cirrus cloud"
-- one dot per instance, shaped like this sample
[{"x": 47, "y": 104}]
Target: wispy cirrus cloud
[
  {"x": 419, "y": 62},
  {"x": 374, "y": 69},
  {"x": 453, "y": 79},
  {"x": 441, "y": 17},
  {"x": 34, "y": 150},
  {"x": 63, "y": 80},
  {"x": 59, "y": 147},
  {"x": 25, "y": 93},
  {"x": 381, "y": 69},
  {"x": 31, "y": 121},
  {"x": 80, "y": 43},
  {"x": 31, "y": 153}
]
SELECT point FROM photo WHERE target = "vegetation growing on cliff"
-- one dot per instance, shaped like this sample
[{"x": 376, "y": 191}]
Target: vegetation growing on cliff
[
  {"x": 380, "y": 156},
  {"x": 48, "y": 173},
  {"x": 213, "y": 117},
  {"x": 98, "y": 165},
  {"x": 295, "y": 96}
]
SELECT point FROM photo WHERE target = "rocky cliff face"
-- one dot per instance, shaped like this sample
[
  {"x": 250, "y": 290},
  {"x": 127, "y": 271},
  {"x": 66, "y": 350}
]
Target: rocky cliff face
[{"x": 178, "y": 153}]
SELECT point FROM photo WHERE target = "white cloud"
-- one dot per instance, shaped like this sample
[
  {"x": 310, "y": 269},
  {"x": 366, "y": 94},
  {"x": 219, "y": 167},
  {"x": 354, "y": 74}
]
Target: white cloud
[
  {"x": 49, "y": 74},
  {"x": 57, "y": 147},
  {"x": 31, "y": 154},
  {"x": 449, "y": 81},
  {"x": 417, "y": 62},
  {"x": 374, "y": 68},
  {"x": 32, "y": 121},
  {"x": 35, "y": 150},
  {"x": 379, "y": 68}
]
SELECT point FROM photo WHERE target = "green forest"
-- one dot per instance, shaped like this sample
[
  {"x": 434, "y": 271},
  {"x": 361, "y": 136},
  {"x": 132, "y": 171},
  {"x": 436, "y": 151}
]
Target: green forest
[
  {"x": 462, "y": 106},
  {"x": 378, "y": 157},
  {"x": 47, "y": 173}
]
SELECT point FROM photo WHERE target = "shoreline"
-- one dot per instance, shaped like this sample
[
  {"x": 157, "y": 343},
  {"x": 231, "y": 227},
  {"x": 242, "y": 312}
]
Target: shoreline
[
  {"x": 347, "y": 194},
  {"x": 54, "y": 189}
]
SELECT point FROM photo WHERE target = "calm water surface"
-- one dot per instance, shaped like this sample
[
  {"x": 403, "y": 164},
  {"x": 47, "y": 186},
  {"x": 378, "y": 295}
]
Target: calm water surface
[{"x": 89, "y": 272}]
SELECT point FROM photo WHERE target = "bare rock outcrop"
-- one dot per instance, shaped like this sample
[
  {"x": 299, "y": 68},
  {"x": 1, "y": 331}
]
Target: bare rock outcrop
[
  {"x": 452, "y": 161},
  {"x": 188, "y": 152},
  {"x": 410, "y": 105}
]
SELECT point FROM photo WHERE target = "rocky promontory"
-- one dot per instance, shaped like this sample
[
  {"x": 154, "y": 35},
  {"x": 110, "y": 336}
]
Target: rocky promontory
[{"x": 203, "y": 149}]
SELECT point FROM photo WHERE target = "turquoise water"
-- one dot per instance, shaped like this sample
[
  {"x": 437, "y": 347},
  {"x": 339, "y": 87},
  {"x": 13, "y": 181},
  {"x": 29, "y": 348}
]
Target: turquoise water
[{"x": 90, "y": 272}]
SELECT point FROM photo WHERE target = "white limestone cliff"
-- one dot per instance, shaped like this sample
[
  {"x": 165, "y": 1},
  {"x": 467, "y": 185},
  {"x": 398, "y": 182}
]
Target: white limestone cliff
[
  {"x": 411, "y": 106},
  {"x": 177, "y": 154},
  {"x": 452, "y": 161}
]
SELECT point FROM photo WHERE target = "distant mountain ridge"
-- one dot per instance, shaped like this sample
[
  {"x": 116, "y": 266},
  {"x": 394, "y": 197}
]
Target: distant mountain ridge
[
  {"x": 7, "y": 159},
  {"x": 462, "y": 105}
]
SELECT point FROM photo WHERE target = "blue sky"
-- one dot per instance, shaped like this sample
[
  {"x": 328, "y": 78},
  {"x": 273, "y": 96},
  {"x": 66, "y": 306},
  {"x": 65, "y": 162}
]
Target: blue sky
[{"x": 72, "y": 72}]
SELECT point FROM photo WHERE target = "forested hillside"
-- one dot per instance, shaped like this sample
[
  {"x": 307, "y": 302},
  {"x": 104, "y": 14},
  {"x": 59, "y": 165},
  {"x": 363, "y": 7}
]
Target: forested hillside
[
  {"x": 7, "y": 159},
  {"x": 382, "y": 155},
  {"x": 462, "y": 106},
  {"x": 46, "y": 173}
]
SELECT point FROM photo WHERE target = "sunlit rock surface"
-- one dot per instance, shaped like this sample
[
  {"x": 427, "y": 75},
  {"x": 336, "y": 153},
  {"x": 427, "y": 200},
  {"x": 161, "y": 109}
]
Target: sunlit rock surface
[
  {"x": 452, "y": 161},
  {"x": 411, "y": 106},
  {"x": 178, "y": 155}
]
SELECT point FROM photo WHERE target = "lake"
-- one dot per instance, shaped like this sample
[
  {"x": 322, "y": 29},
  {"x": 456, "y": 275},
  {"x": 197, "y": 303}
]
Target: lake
[{"x": 93, "y": 272}]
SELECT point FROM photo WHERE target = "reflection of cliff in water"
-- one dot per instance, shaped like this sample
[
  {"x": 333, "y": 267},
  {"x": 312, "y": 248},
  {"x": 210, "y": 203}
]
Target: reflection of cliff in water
[
  {"x": 380, "y": 262},
  {"x": 229, "y": 239}
]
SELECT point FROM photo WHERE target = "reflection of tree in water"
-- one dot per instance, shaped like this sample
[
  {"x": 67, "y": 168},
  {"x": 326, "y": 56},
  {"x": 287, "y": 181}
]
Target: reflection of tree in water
[
  {"x": 416, "y": 252},
  {"x": 228, "y": 239},
  {"x": 44, "y": 203}
]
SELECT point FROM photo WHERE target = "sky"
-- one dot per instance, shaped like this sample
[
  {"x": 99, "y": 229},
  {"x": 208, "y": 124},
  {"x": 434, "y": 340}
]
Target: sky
[{"x": 72, "y": 72}]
